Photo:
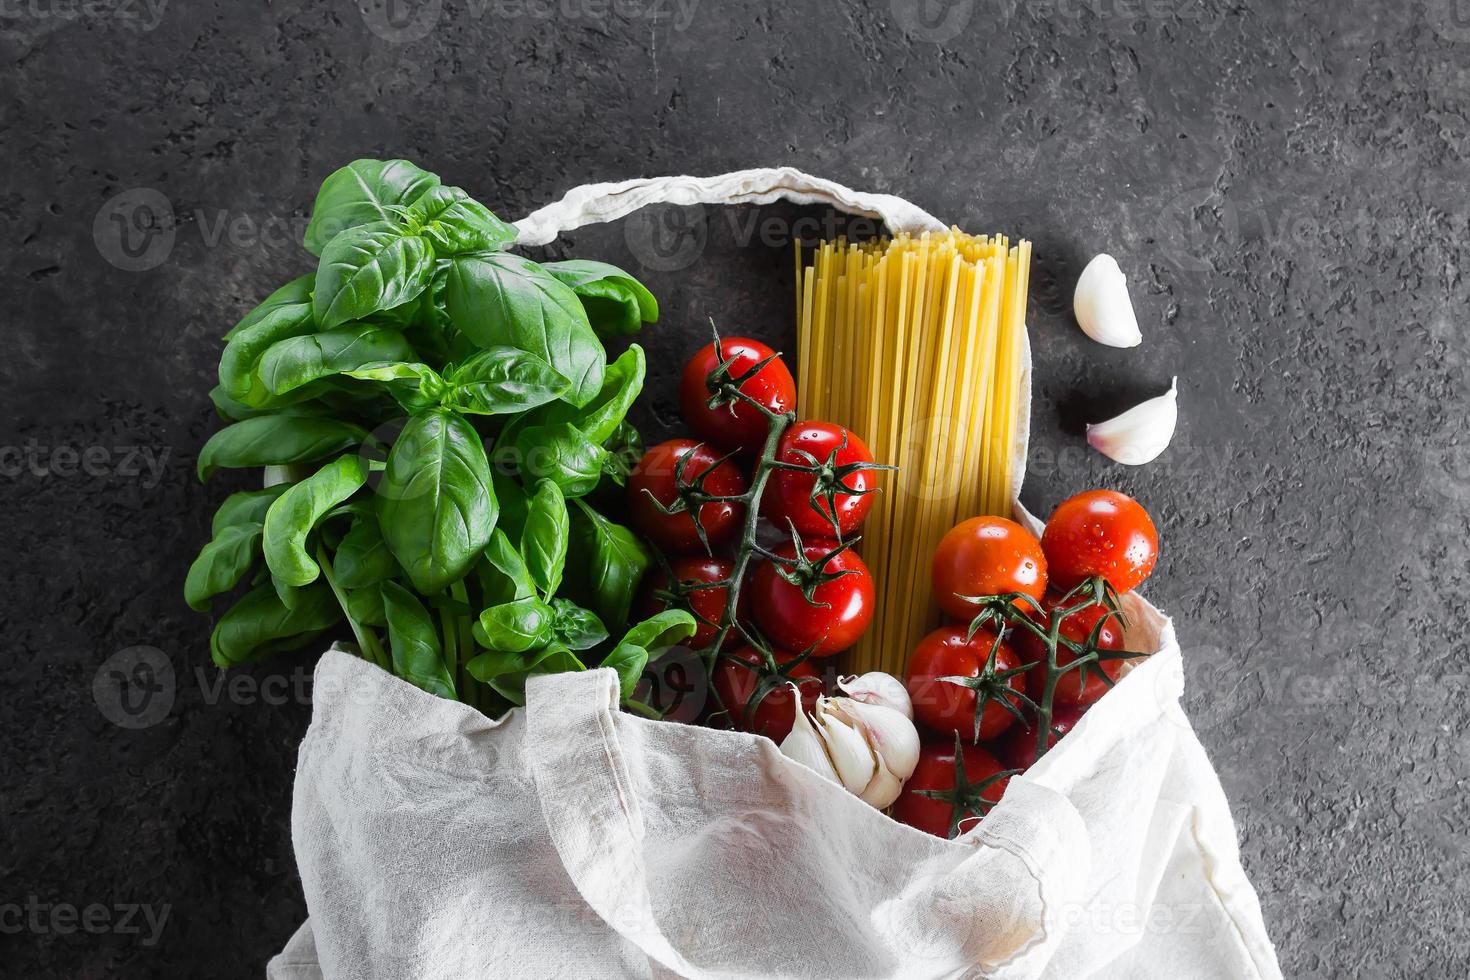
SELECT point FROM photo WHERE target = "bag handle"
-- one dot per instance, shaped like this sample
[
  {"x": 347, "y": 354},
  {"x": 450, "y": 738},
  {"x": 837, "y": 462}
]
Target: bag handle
[
  {"x": 590, "y": 807},
  {"x": 594, "y": 818},
  {"x": 593, "y": 204}
]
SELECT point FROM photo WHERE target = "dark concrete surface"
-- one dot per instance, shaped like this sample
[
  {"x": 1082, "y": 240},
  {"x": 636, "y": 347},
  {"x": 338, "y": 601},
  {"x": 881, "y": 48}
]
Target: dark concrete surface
[{"x": 1285, "y": 184}]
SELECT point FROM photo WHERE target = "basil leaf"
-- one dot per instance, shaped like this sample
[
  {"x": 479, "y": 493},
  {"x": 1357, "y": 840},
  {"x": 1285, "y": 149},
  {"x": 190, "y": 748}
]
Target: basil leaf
[
  {"x": 245, "y": 507},
  {"x": 365, "y": 606},
  {"x": 515, "y": 503},
  {"x": 606, "y": 564},
  {"x": 289, "y": 364},
  {"x": 232, "y": 410},
  {"x": 363, "y": 557},
  {"x": 544, "y": 539},
  {"x": 296, "y": 512},
  {"x": 417, "y": 656},
  {"x": 600, "y": 419},
  {"x": 260, "y": 624},
  {"x": 436, "y": 505},
  {"x": 222, "y": 564},
  {"x": 507, "y": 673},
  {"x": 502, "y": 380},
  {"x": 503, "y": 300},
  {"x": 276, "y": 440},
  {"x": 502, "y": 572},
  {"x": 414, "y": 386},
  {"x": 369, "y": 268},
  {"x": 577, "y": 628},
  {"x": 661, "y": 631},
  {"x": 628, "y": 659},
  {"x": 562, "y": 454},
  {"x": 456, "y": 222},
  {"x": 617, "y": 304},
  {"x": 514, "y": 627},
  {"x": 295, "y": 292},
  {"x": 238, "y": 365},
  {"x": 363, "y": 192},
  {"x": 624, "y": 450}
]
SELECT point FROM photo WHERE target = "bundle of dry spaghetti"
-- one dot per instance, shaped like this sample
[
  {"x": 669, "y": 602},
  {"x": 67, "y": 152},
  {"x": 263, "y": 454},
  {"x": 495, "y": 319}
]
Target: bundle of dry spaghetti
[{"x": 915, "y": 344}]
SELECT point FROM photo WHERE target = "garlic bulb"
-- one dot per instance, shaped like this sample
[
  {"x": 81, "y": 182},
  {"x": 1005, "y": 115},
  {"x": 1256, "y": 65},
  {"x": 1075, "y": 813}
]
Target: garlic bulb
[
  {"x": 869, "y": 749},
  {"x": 1102, "y": 306},
  {"x": 1141, "y": 433},
  {"x": 876, "y": 687}
]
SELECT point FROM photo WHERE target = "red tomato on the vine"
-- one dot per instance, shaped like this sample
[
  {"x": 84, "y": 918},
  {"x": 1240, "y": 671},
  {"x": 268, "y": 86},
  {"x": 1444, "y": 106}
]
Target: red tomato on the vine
[
  {"x": 986, "y": 556},
  {"x": 736, "y": 425},
  {"x": 788, "y": 496},
  {"x": 737, "y": 678},
  {"x": 707, "y": 604},
  {"x": 938, "y": 770},
  {"x": 1017, "y": 749},
  {"x": 842, "y": 610},
  {"x": 1074, "y": 687},
  {"x": 1100, "y": 532},
  {"x": 656, "y": 474},
  {"x": 948, "y": 707}
]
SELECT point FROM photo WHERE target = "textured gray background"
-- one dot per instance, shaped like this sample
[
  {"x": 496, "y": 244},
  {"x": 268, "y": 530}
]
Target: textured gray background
[{"x": 1284, "y": 183}]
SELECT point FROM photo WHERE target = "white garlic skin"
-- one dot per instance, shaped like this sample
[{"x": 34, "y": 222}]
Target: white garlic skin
[
  {"x": 869, "y": 749},
  {"x": 1140, "y": 434},
  {"x": 876, "y": 687},
  {"x": 1102, "y": 305},
  {"x": 805, "y": 746}
]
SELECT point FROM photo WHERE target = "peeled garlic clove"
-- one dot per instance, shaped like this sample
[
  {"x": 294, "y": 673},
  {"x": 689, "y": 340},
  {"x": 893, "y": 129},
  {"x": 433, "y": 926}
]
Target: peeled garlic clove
[
  {"x": 805, "y": 746},
  {"x": 1140, "y": 434},
  {"x": 1102, "y": 305},
  {"x": 892, "y": 736},
  {"x": 853, "y": 758},
  {"x": 876, "y": 687}
]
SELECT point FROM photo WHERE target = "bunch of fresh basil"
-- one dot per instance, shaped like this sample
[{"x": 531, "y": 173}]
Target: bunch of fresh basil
[{"x": 441, "y": 419}]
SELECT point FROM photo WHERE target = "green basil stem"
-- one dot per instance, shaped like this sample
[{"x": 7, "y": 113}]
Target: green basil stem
[
  {"x": 366, "y": 642},
  {"x": 470, "y": 691},
  {"x": 647, "y": 711},
  {"x": 451, "y": 651}
]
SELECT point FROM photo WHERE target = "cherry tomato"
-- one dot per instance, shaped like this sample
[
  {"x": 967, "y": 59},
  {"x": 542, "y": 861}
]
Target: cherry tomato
[
  {"x": 844, "y": 606},
  {"x": 707, "y": 605},
  {"x": 788, "y": 497},
  {"x": 774, "y": 715},
  {"x": 656, "y": 473},
  {"x": 1100, "y": 532},
  {"x": 986, "y": 556},
  {"x": 949, "y": 708},
  {"x": 1018, "y": 748},
  {"x": 737, "y": 425},
  {"x": 1074, "y": 687},
  {"x": 937, "y": 770}
]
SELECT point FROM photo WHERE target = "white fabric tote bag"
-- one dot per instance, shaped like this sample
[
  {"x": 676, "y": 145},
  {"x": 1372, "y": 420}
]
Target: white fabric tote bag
[{"x": 569, "y": 839}]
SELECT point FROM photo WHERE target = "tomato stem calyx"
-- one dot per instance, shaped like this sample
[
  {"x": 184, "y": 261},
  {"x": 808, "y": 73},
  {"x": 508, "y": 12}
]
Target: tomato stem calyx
[
  {"x": 966, "y": 799},
  {"x": 1008, "y": 612}
]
